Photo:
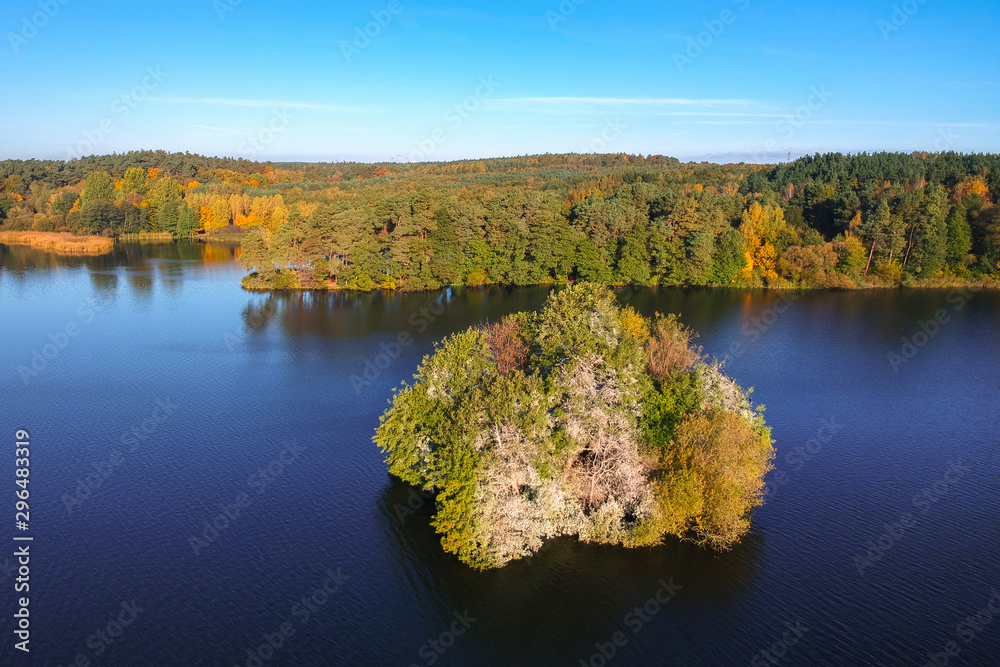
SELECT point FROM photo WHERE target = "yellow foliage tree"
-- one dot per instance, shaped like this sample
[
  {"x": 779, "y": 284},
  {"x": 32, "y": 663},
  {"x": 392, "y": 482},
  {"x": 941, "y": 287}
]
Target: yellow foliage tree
[
  {"x": 855, "y": 223},
  {"x": 206, "y": 217},
  {"x": 306, "y": 209},
  {"x": 221, "y": 214},
  {"x": 760, "y": 228},
  {"x": 244, "y": 221},
  {"x": 973, "y": 186},
  {"x": 280, "y": 214}
]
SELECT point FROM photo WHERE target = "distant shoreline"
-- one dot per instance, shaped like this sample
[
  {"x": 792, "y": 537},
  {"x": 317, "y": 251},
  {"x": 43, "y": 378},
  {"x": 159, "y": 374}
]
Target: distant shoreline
[{"x": 955, "y": 282}]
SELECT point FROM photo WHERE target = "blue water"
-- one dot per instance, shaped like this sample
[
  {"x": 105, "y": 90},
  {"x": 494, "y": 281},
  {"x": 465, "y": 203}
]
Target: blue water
[{"x": 181, "y": 394}]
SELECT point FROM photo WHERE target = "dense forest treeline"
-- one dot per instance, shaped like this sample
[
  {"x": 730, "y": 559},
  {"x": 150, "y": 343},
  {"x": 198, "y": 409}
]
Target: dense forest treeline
[{"x": 829, "y": 220}]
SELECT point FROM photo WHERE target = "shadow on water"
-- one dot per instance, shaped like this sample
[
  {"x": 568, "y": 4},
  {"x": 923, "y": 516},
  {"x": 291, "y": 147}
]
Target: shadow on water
[
  {"x": 372, "y": 314},
  {"x": 571, "y": 590},
  {"x": 105, "y": 284},
  {"x": 135, "y": 256}
]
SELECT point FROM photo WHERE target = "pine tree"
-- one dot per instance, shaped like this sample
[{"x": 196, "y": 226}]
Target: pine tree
[{"x": 959, "y": 242}]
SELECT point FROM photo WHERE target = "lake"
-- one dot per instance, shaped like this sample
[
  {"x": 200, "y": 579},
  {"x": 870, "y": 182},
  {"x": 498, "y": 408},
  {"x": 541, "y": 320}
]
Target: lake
[{"x": 205, "y": 490}]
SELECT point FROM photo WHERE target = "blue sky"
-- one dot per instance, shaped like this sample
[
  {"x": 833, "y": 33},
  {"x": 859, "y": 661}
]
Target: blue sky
[{"x": 721, "y": 80}]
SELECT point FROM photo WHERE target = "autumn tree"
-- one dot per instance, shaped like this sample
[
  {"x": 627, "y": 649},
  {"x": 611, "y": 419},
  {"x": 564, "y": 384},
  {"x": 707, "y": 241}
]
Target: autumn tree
[
  {"x": 760, "y": 227},
  {"x": 554, "y": 423}
]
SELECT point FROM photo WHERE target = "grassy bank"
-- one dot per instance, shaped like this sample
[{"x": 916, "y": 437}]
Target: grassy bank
[
  {"x": 147, "y": 237},
  {"x": 223, "y": 237},
  {"x": 60, "y": 243}
]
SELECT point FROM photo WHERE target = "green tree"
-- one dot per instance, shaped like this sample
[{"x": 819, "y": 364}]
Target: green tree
[
  {"x": 930, "y": 247},
  {"x": 633, "y": 259},
  {"x": 97, "y": 216},
  {"x": 590, "y": 262},
  {"x": 728, "y": 259},
  {"x": 959, "y": 242},
  {"x": 876, "y": 231},
  {"x": 64, "y": 203},
  {"x": 165, "y": 204},
  {"x": 98, "y": 188},
  {"x": 136, "y": 180},
  {"x": 700, "y": 249},
  {"x": 446, "y": 253},
  {"x": 187, "y": 222}
]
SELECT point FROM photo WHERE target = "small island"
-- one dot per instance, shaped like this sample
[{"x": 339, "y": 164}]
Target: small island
[{"x": 583, "y": 419}]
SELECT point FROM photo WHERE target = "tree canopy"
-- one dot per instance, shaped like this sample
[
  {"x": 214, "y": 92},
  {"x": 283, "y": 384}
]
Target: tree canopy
[{"x": 583, "y": 419}]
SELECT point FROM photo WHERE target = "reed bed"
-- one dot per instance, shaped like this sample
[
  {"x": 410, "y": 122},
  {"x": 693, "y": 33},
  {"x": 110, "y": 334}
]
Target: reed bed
[
  {"x": 60, "y": 243},
  {"x": 147, "y": 237},
  {"x": 224, "y": 237}
]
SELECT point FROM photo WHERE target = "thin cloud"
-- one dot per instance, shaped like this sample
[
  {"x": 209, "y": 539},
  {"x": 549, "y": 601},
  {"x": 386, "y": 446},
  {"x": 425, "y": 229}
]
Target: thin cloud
[
  {"x": 619, "y": 101},
  {"x": 720, "y": 113},
  {"x": 271, "y": 104},
  {"x": 906, "y": 124}
]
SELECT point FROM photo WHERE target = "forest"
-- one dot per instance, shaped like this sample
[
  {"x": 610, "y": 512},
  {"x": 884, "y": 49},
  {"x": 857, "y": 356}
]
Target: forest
[
  {"x": 826, "y": 221},
  {"x": 583, "y": 419}
]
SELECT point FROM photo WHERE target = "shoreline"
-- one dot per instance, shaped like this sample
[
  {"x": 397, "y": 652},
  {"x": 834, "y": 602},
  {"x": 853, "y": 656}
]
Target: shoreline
[{"x": 976, "y": 284}]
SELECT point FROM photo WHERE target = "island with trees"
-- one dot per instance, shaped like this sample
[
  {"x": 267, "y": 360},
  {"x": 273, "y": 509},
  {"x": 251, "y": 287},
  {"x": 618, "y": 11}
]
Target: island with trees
[
  {"x": 584, "y": 419},
  {"x": 824, "y": 221}
]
